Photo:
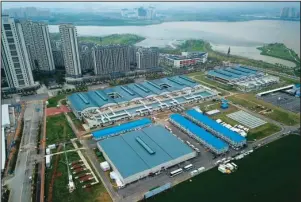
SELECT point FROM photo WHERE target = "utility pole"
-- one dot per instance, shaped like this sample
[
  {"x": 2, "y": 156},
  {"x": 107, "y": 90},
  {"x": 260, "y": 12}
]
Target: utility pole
[{"x": 228, "y": 52}]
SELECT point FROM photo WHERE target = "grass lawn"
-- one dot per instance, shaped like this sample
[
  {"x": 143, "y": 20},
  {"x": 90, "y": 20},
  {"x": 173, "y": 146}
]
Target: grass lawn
[
  {"x": 55, "y": 129},
  {"x": 60, "y": 190},
  {"x": 200, "y": 76},
  {"x": 123, "y": 39},
  {"x": 76, "y": 122},
  {"x": 279, "y": 50},
  {"x": 270, "y": 173},
  {"x": 263, "y": 131},
  {"x": 250, "y": 101},
  {"x": 256, "y": 133},
  {"x": 53, "y": 102}
]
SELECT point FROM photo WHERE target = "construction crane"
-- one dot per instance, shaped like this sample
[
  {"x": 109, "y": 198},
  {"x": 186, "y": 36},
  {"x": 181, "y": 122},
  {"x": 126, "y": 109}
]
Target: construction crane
[{"x": 71, "y": 185}]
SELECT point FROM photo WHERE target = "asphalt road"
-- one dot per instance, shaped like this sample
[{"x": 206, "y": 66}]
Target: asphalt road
[
  {"x": 20, "y": 183},
  {"x": 28, "y": 98}
]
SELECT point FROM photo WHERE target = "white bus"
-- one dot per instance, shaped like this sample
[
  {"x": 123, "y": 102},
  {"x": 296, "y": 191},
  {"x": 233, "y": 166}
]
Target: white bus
[
  {"x": 188, "y": 167},
  {"x": 176, "y": 172}
]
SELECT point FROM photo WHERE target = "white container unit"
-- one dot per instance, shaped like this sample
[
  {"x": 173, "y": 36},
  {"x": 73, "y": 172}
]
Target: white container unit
[{"x": 105, "y": 166}]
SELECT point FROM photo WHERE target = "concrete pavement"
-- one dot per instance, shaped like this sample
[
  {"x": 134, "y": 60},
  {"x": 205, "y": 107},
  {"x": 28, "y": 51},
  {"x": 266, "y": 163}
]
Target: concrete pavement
[{"x": 20, "y": 184}]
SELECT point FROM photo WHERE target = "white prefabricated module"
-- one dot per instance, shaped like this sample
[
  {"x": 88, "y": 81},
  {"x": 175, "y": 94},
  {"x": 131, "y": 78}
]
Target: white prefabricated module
[
  {"x": 119, "y": 183},
  {"x": 52, "y": 146},
  {"x": 105, "y": 166},
  {"x": 47, "y": 151},
  {"x": 233, "y": 164},
  {"x": 243, "y": 133},
  {"x": 48, "y": 161},
  {"x": 201, "y": 169},
  {"x": 194, "y": 172},
  {"x": 239, "y": 157},
  {"x": 113, "y": 175},
  {"x": 218, "y": 120},
  {"x": 222, "y": 169},
  {"x": 229, "y": 166}
]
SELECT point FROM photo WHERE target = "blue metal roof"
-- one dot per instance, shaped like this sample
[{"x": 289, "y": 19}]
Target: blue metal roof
[
  {"x": 216, "y": 74},
  {"x": 169, "y": 143},
  {"x": 127, "y": 93},
  {"x": 141, "y": 150},
  {"x": 123, "y": 156},
  {"x": 122, "y": 127},
  {"x": 78, "y": 103},
  {"x": 235, "y": 137},
  {"x": 140, "y": 89},
  {"x": 234, "y": 71},
  {"x": 184, "y": 79},
  {"x": 154, "y": 87},
  {"x": 246, "y": 69},
  {"x": 199, "y": 132}
]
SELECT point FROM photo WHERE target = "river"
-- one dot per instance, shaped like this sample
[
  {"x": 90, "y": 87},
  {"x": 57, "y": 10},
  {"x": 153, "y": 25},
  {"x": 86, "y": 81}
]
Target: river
[{"x": 242, "y": 37}]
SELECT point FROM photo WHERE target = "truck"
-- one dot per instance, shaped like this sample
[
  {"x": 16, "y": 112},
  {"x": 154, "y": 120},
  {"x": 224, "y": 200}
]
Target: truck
[
  {"x": 222, "y": 169},
  {"x": 234, "y": 165},
  {"x": 229, "y": 166}
]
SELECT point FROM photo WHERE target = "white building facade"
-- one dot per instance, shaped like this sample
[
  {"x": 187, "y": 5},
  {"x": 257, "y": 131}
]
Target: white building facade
[
  {"x": 37, "y": 41},
  {"x": 70, "y": 50},
  {"x": 14, "y": 56}
]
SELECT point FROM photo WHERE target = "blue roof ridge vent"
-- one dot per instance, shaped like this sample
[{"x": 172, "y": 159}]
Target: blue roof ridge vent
[
  {"x": 223, "y": 73},
  {"x": 248, "y": 68},
  {"x": 175, "y": 81},
  {"x": 142, "y": 88},
  {"x": 83, "y": 98},
  {"x": 101, "y": 96},
  {"x": 241, "y": 69},
  {"x": 127, "y": 90},
  {"x": 232, "y": 72},
  {"x": 225, "y": 133},
  {"x": 145, "y": 146},
  {"x": 187, "y": 79},
  {"x": 155, "y": 85}
]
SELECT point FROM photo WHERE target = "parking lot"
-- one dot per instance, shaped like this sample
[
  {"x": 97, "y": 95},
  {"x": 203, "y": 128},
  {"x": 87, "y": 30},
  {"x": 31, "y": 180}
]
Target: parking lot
[{"x": 283, "y": 100}]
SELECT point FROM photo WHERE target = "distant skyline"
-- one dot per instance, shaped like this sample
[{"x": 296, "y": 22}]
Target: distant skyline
[{"x": 158, "y": 5}]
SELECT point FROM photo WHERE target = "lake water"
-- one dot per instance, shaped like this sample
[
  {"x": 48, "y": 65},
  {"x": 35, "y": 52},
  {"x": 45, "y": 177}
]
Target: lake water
[{"x": 242, "y": 37}]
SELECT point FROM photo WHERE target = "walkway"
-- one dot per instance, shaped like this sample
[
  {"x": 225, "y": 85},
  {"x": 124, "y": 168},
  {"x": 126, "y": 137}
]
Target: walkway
[{"x": 55, "y": 111}]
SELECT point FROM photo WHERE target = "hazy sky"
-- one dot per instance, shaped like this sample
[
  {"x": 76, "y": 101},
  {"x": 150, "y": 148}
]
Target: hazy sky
[{"x": 158, "y": 5}]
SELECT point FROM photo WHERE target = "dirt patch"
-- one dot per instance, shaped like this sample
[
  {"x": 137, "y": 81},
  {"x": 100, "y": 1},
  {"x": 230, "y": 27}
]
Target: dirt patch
[{"x": 104, "y": 197}]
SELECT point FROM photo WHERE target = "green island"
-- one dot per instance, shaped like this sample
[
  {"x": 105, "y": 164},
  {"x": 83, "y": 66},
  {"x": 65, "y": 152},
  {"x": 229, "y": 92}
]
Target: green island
[
  {"x": 279, "y": 50},
  {"x": 124, "y": 39},
  {"x": 201, "y": 45},
  {"x": 255, "y": 179}
]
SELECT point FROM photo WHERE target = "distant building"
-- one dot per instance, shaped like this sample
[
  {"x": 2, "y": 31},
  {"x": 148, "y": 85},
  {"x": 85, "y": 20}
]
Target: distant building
[
  {"x": 151, "y": 13},
  {"x": 57, "y": 53},
  {"x": 147, "y": 58},
  {"x": 287, "y": 12},
  {"x": 292, "y": 13},
  {"x": 110, "y": 59},
  {"x": 186, "y": 59},
  {"x": 14, "y": 56},
  {"x": 37, "y": 41},
  {"x": 86, "y": 58},
  {"x": 142, "y": 13},
  {"x": 27, "y": 12},
  {"x": 132, "y": 55},
  {"x": 124, "y": 12},
  {"x": 70, "y": 50}
]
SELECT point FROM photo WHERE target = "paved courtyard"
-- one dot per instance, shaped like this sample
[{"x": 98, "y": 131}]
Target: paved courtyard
[{"x": 283, "y": 100}]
